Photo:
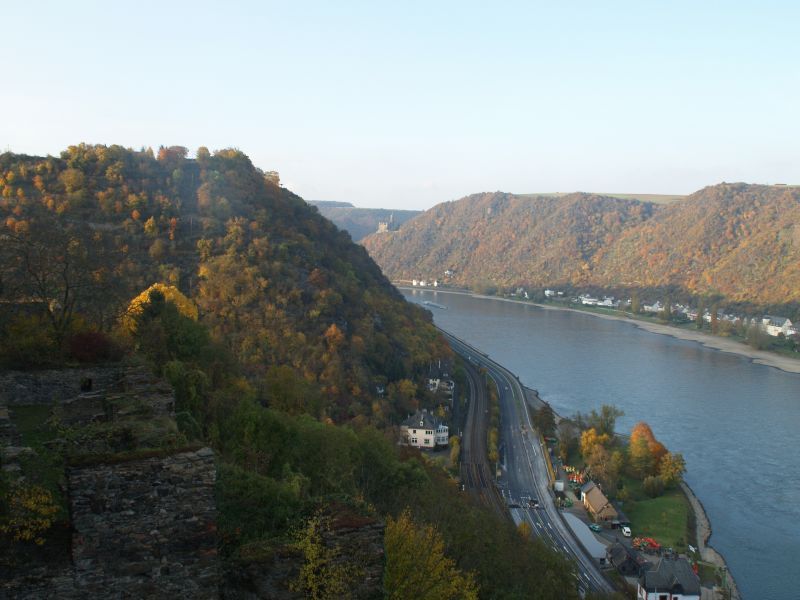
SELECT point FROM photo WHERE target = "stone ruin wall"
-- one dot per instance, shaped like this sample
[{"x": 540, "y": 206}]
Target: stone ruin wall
[
  {"x": 145, "y": 528},
  {"x": 142, "y": 528}
]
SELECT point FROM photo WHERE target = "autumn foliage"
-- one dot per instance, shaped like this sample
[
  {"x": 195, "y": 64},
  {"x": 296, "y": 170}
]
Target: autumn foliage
[
  {"x": 273, "y": 282},
  {"x": 417, "y": 565},
  {"x": 740, "y": 242},
  {"x": 641, "y": 434}
]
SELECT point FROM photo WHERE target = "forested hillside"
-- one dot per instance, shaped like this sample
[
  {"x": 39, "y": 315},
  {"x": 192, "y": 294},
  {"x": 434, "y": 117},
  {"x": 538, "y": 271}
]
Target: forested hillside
[
  {"x": 507, "y": 239},
  {"x": 288, "y": 352},
  {"x": 360, "y": 222},
  {"x": 738, "y": 241},
  {"x": 277, "y": 284}
]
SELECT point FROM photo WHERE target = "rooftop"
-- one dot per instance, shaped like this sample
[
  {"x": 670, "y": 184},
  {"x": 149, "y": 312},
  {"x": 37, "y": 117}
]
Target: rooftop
[
  {"x": 422, "y": 419},
  {"x": 672, "y": 575}
]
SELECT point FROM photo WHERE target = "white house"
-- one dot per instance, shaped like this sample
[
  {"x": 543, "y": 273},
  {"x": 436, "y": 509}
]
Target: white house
[
  {"x": 607, "y": 301},
  {"x": 442, "y": 435},
  {"x": 656, "y": 307},
  {"x": 423, "y": 430},
  {"x": 670, "y": 579},
  {"x": 775, "y": 326}
]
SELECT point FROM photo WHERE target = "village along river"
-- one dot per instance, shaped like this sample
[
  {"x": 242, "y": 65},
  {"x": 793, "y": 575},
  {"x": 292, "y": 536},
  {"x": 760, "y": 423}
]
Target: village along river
[{"x": 735, "y": 422}]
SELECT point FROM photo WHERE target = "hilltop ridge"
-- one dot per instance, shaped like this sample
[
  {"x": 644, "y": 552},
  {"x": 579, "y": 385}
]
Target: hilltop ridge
[{"x": 734, "y": 240}]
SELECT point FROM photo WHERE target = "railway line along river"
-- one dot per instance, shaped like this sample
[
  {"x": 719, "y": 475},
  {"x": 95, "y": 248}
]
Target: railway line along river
[{"x": 736, "y": 422}]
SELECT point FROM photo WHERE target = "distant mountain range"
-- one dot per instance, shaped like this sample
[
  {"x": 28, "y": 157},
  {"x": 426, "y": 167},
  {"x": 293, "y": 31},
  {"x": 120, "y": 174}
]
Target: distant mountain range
[
  {"x": 360, "y": 222},
  {"x": 739, "y": 241}
]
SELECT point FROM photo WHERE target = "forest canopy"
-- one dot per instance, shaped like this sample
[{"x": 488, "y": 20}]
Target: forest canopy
[{"x": 274, "y": 282}]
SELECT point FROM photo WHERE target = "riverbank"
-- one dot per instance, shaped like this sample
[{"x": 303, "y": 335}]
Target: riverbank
[
  {"x": 702, "y": 524},
  {"x": 769, "y": 359},
  {"x": 703, "y": 528}
]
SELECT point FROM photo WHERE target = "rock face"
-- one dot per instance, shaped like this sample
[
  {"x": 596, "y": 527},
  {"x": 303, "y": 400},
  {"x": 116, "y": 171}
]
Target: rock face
[{"x": 146, "y": 527}]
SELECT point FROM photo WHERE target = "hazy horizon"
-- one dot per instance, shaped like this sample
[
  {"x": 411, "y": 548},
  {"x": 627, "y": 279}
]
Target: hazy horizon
[{"x": 406, "y": 106}]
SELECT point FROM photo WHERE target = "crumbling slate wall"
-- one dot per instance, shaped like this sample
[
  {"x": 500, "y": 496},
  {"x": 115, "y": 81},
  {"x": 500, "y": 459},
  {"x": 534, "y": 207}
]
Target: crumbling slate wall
[
  {"x": 24, "y": 388},
  {"x": 146, "y": 528},
  {"x": 143, "y": 528}
]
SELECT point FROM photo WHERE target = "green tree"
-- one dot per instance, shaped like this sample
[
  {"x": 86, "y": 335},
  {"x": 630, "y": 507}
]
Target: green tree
[
  {"x": 640, "y": 458},
  {"x": 602, "y": 467},
  {"x": 417, "y": 566},
  {"x": 604, "y": 421},
  {"x": 618, "y": 461},
  {"x": 591, "y": 439},
  {"x": 701, "y": 309},
  {"x": 666, "y": 313},
  {"x": 151, "y": 227},
  {"x": 544, "y": 420},
  {"x": 672, "y": 469},
  {"x": 567, "y": 439},
  {"x": 325, "y": 573},
  {"x": 66, "y": 268},
  {"x": 455, "y": 451},
  {"x": 287, "y": 391},
  {"x": 644, "y": 450},
  {"x": 714, "y": 318},
  {"x": 636, "y": 305},
  {"x": 757, "y": 338},
  {"x": 653, "y": 486}
]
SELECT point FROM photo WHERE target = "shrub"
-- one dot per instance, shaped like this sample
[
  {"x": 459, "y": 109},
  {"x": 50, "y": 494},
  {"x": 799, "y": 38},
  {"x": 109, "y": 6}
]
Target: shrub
[
  {"x": 653, "y": 486},
  {"x": 27, "y": 343},
  {"x": 92, "y": 347}
]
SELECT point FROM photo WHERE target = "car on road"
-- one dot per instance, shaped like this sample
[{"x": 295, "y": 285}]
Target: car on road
[
  {"x": 595, "y": 527},
  {"x": 626, "y": 531}
]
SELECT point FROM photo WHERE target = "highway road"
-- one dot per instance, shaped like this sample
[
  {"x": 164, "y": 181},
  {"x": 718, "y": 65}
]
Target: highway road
[{"x": 524, "y": 471}]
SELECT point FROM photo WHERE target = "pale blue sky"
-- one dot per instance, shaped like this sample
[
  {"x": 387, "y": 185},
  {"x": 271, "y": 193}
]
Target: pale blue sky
[{"x": 407, "y": 104}]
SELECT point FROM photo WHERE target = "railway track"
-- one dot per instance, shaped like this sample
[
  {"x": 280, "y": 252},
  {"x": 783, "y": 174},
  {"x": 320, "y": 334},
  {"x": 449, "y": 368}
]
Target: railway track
[
  {"x": 525, "y": 475},
  {"x": 476, "y": 472}
]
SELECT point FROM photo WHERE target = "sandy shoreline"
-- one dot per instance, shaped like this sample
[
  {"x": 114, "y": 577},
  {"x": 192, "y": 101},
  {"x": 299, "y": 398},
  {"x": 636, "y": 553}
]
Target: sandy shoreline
[{"x": 715, "y": 342}]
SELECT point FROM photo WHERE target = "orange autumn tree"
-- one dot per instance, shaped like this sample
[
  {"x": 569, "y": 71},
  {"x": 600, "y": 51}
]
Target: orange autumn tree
[
  {"x": 645, "y": 451},
  {"x": 170, "y": 293}
]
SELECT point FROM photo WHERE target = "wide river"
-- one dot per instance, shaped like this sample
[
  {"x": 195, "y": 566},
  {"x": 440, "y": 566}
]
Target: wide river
[{"x": 735, "y": 422}]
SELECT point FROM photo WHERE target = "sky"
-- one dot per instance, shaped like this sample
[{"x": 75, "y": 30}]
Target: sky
[{"x": 409, "y": 104}]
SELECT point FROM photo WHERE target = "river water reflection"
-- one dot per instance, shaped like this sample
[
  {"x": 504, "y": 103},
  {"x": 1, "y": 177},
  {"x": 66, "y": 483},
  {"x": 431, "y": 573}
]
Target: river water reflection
[{"x": 735, "y": 422}]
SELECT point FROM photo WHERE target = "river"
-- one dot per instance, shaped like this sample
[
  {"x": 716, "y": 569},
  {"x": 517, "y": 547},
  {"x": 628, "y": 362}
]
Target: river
[{"x": 735, "y": 422}]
